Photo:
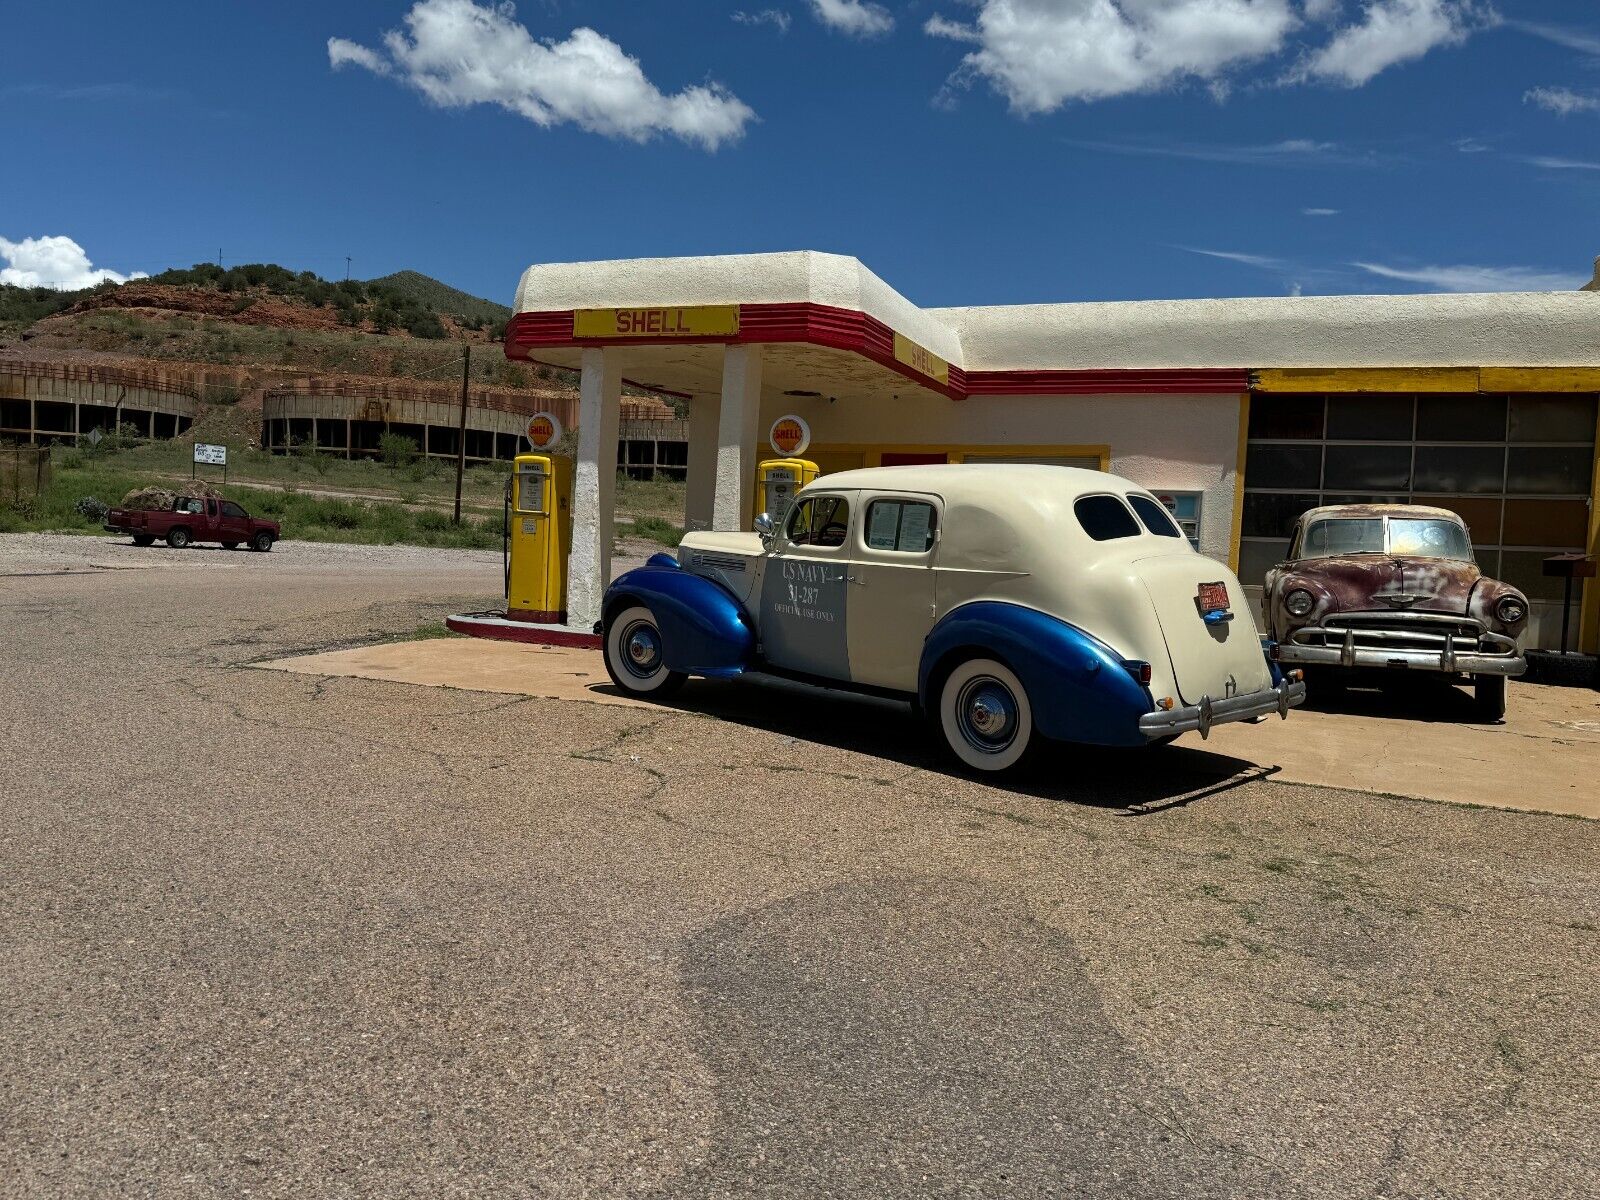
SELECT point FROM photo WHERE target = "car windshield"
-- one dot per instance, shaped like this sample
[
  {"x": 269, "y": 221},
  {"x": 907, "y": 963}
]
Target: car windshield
[
  {"x": 1424, "y": 538},
  {"x": 1428, "y": 538}
]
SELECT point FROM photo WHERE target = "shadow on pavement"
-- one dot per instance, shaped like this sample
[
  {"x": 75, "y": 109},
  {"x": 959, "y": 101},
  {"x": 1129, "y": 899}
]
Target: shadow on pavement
[
  {"x": 1403, "y": 697},
  {"x": 929, "y": 1037},
  {"x": 1146, "y": 777}
]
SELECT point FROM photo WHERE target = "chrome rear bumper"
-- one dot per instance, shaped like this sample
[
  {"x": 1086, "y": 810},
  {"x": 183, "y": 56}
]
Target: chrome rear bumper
[{"x": 1209, "y": 712}]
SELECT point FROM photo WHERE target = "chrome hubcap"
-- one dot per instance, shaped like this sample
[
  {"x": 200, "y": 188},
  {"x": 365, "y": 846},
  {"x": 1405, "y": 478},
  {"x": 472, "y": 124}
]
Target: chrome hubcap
[
  {"x": 641, "y": 648},
  {"x": 988, "y": 714}
]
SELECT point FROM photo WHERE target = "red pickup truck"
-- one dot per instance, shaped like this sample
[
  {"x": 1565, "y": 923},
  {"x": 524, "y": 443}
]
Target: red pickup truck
[{"x": 192, "y": 519}]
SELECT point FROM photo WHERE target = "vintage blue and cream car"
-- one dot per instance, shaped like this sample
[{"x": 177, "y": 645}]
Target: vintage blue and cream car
[{"x": 1009, "y": 603}]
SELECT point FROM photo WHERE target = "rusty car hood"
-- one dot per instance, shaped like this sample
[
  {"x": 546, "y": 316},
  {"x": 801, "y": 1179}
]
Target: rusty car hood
[{"x": 1379, "y": 582}]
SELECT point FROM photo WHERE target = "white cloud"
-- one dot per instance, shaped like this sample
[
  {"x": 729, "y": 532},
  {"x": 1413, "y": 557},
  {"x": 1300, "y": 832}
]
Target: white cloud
[
  {"x": 458, "y": 53},
  {"x": 1477, "y": 279},
  {"x": 1289, "y": 152},
  {"x": 54, "y": 262},
  {"x": 1264, "y": 261},
  {"x": 1550, "y": 163},
  {"x": 1319, "y": 212},
  {"x": 1561, "y": 101},
  {"x": 775, "y": 17},
  {"x": 1039, "y": 54},
  {"x": 1392, "y": 32},
  {"x": 858, "y": 18},
  {"x": 1580, "y": 40}
]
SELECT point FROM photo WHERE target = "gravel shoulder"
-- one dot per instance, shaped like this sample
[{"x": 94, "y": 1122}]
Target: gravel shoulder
[{"x": 303, "y": 936}]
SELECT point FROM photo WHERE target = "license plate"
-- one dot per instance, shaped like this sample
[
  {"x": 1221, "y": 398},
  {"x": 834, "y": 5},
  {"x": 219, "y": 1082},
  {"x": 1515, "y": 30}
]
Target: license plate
[{"x": 1213, "y": 597}]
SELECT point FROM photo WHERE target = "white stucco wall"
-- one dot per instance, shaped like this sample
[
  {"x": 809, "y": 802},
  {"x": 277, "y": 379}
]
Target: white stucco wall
[{"x": 1185, "y": 443}]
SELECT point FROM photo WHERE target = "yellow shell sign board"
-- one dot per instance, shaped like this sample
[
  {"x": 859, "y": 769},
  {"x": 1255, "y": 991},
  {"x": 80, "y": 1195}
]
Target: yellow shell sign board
[
  {"x": 920, "y": 359},
  {"x": 706, "y": 320}
]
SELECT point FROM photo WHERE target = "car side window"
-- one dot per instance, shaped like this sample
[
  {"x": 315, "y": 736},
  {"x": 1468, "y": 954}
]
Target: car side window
[
  {"x": 1154, "y": 516},
  {"x": 1105, "y": 518},
  {"x": 821, "y": 521},
  {"x": 903, "y": 526},
  {"x": 230, "y": 509},
  {"x": 190, "y": 506}
]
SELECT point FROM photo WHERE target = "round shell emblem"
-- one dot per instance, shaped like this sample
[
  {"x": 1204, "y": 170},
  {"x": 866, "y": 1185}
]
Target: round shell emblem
[
  {"x": 544, "y": 431},
  {"x": 790, "y": 436}
]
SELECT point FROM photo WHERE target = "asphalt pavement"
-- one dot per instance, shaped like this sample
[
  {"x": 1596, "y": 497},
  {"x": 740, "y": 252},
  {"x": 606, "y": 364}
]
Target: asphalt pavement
[{"x": 275, "y": 935}]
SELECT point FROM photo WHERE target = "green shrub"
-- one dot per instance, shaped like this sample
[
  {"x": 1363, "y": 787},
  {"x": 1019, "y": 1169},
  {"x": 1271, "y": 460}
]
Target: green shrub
[{"x": 396, "y": 450}]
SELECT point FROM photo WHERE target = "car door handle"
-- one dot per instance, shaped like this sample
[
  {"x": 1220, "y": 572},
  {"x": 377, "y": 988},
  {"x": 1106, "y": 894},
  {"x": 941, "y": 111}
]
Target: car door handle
[{"x": 852, "y": 577}]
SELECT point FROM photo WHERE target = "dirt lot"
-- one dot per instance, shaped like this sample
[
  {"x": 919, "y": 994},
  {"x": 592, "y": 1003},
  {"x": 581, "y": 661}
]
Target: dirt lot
[{"x": 300, "y": 936}]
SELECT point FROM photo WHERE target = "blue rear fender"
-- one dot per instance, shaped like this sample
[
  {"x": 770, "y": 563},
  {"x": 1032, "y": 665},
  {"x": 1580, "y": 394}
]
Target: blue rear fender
[
  {"x": 1079, "y": 688},
  {"x": 704, "y": 630}
]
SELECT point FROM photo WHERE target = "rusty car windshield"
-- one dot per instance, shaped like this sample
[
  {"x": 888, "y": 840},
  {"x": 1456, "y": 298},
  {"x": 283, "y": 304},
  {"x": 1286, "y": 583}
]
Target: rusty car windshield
[
  {"x": 1428, "y": 538},
  {"x": 1343, "y": 535}
]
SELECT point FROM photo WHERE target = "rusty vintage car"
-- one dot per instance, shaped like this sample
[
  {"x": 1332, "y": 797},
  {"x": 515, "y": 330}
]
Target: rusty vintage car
[{"x": 1392, "y": 587}]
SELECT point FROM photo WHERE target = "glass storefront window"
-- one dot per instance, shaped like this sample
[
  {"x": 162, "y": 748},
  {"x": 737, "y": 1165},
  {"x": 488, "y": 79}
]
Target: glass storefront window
[
  {"x": 1369, "y": 418},
  {"x": 1368, "y": 468},
  {"x": 1469, "y": 469},
  {"x": 1284, "y": 466},
  {"x": 1286, "y": 418},
  {"x": 1549, "y": 471},
  {"x": 1556, "y": 418},
  {"x": 1461, "y": 418},
  {"x": 1273, "y": 514}
]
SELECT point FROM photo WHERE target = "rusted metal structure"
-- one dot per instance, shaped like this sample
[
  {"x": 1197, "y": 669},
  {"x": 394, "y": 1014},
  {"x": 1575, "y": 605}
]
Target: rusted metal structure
[{"x": 49, "y": 402}]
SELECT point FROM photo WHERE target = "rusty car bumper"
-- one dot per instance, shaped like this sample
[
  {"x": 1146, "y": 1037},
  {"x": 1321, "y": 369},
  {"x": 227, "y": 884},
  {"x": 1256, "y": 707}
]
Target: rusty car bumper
[
  {"x": 1280, "y": 699},
  {"x": 1446, "y": 658}
]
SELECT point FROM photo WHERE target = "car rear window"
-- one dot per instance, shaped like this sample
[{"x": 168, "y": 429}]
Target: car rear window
[
  {"x": 1155, "y": 517},
  {"x": 1105, "y": 518}
]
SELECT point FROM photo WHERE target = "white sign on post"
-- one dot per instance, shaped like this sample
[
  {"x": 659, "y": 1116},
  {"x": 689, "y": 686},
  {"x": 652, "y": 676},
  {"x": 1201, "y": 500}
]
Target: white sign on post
[{"x": 211, "y": 456}]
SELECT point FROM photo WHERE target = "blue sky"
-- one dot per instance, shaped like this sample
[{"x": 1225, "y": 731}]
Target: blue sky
[{"x": 968, "y": 151}]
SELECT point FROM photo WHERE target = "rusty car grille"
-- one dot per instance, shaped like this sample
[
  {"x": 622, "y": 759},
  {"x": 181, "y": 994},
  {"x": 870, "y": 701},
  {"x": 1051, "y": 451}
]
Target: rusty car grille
[{"x": 1403, "y": 631}]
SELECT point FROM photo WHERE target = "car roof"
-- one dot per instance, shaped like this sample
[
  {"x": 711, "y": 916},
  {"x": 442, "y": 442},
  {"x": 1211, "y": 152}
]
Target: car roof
[
  {"x": 1415, "y": 511},
  {"x": 976, "y": 482}
]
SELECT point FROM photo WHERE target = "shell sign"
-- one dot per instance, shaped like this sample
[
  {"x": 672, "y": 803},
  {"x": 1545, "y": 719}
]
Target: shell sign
[
  {"x": 789, "y": 436},
  {"x": 544, "y": 430}
]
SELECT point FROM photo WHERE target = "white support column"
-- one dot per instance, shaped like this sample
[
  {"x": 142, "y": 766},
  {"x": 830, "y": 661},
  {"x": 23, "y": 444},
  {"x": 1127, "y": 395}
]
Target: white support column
[
  {"x": 705, "y": 414},
  {"x": 594, "y": 486},
  {"x": 736, "y": 438}
]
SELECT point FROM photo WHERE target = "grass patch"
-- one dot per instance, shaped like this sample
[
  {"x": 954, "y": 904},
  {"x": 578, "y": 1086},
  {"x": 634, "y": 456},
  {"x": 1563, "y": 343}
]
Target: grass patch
[
  {"x": 429, "y": 632},
  {"x": 654, "y": 529},
  {"x": 60, "y": 508}
]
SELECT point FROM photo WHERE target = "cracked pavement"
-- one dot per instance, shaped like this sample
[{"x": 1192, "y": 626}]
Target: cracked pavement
[{"x": 279, "y": 935}]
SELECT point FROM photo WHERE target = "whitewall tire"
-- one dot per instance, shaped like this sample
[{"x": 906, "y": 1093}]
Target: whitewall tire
[
  {"x": 635, "y": 655},
  {"x": 985, "y": 715}
]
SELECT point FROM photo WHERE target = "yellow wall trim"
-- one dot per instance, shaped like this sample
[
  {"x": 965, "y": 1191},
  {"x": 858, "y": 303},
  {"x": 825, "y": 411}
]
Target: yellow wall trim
[
  {"x": 1427, "y": 379},
  {"x": 1238, "y": 483}
]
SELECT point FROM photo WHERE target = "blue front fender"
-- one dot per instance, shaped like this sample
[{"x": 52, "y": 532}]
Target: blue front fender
[
  {"x": 1078, "y": 687},
  {"x": 704, "y": 630}
]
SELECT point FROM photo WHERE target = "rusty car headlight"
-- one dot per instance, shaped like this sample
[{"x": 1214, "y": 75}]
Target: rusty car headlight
[
  {"x": 1511, "y": 609},
  {"x": 1299, "y": 602}
]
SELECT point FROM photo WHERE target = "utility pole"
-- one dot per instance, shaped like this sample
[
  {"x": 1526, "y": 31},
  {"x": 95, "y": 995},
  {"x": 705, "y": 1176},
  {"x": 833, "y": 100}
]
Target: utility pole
[
  {"x": 347, "y": 268},
  {"x": 219, "y": 256},
  {"x": 461, "y": 433}
]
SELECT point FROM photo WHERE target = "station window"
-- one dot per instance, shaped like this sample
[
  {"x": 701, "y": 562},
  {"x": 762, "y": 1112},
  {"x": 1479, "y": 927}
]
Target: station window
[{"x": 904, "y": 526}]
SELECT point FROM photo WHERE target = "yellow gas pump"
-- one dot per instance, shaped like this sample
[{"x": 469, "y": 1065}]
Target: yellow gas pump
[
  {"x": 777, "y": 480},
  {"x": 538, "y": 537}
]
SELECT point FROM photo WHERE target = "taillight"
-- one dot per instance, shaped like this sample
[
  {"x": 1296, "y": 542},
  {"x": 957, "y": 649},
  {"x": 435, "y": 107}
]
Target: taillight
[{"x": 1139, "y": 669}]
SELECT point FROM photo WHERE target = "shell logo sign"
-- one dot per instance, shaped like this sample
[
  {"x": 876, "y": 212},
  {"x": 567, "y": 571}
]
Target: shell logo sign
[
  {"x": 789, "y": 436},
  {"x": 543, "y": 431}
]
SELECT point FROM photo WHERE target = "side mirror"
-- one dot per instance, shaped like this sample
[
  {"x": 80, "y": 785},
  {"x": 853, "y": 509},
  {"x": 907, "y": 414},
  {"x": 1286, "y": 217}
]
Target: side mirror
[{"x": 766, "y": 529}]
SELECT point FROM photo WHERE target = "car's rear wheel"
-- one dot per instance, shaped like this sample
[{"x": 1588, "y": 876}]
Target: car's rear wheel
[
  {"x": 262, "y": 542},
  {"x": 635, "y": 655},
  {"x": 179, "y": 538},
  {"x": 1489, "y": 697},
  {"x": 143, "y": 539},
  {"x": 985, "y": 715}
]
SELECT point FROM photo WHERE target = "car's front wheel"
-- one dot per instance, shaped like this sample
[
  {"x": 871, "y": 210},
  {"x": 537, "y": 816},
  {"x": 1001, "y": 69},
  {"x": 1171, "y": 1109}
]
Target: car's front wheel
[
  {"x": 635, "y": 655},
  {"x": 262, "y": 542},
  {"x": 985, "y": 715},
  {"x": 1489, "y": 697}
]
